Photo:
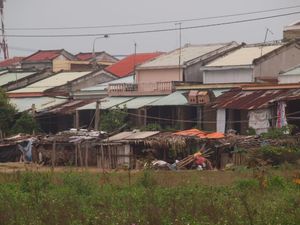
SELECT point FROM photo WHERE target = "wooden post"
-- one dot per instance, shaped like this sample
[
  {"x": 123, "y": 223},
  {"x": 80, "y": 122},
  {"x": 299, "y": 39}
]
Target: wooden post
[
  {"x": 102, "y": 157},
  {"x": 86, "y": 154},
  {"x": 80, "y": 154},
  {"x": 97, "y": 115},
  {"x": 76, "y": 155},
  {"x": 77, "y": 119},
  {"x": 109, "y": 157},
  {"x": 53, "y": 158},
  {"x": 98, "y": 162},
  {"x": 33, "y": 115}
]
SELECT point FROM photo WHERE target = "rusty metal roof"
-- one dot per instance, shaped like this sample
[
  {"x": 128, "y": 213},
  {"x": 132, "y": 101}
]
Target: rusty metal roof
[{"x": 257, "y": 99}]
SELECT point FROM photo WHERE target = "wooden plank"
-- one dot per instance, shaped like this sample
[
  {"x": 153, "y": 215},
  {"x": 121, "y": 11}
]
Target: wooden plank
[
  {"x": 80, "y": 154},
  {"x": 102, "y": 157},
  {"x": 76, "y": 155},
  {"x": 53, "y": 158}
]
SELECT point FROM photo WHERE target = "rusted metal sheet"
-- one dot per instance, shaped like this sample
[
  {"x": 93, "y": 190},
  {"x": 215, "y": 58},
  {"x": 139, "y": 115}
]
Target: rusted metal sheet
[{"x": 239, "y": 99}]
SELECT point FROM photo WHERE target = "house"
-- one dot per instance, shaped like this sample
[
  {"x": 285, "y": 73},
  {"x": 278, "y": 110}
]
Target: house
[
  {"x": 43, "y": 59},
  {"x": 258, "y": 107},
  {"x": 236, "y": 66},
  {"x": 102, "y": 58},
  {"x": 12, "y": 63},
  {"x": 270, "y": 65},
  {"x": 179, "y": 65},
  {"x": 291, "y": 31},
  {"x": 290, "y": 76}
]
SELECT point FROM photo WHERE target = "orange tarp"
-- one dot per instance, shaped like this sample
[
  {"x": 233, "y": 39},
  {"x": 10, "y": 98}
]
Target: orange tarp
[{"x": 200, "y": 134}]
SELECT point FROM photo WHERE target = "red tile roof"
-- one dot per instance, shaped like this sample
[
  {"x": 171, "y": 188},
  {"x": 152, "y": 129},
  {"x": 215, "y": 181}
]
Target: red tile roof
[
  {"x": 11, "y": 62},
  {"x": 43, "y": 55},
  {"x": 126, "y": 66}
]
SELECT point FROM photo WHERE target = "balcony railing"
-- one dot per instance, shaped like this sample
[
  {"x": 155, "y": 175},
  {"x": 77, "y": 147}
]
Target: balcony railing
[{"x": 133, "y": 89}]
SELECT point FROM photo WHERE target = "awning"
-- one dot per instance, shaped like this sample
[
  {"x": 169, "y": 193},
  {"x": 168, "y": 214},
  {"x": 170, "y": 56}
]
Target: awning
[
  {"x": 140, "y": 102},
  {"x": 106, "y": 103},
  {"x": 174, "y": 99}
]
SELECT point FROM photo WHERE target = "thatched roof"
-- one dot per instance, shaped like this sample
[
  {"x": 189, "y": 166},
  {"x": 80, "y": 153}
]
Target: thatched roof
[{"x": 171, "y": 141}]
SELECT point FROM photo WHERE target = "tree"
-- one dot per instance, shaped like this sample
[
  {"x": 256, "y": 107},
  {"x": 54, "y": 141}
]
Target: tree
[
  {"x": 7, "y": 113},
  {"x": 25, "y": 124},
  {"x": 113, "y": 119},
  {"x": 12, "y": 122}
]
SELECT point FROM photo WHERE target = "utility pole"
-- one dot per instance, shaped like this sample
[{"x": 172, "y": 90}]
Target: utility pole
[
  {"x": 134, "y": 65},
  {"x": 179, "y": 57},
  {"x": 3, "y": 44}
]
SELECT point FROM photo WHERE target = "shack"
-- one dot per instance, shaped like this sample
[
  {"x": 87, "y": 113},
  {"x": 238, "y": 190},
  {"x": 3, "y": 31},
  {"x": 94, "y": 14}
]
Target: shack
[
  {"x": 68, "y": 148},
  {"x": 123, "y": 149}
]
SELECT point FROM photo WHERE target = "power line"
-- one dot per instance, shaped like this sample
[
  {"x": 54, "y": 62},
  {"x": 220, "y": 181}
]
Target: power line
[
  {"x": 153, "y": 23},
  {"x": 150, "y": 31}
]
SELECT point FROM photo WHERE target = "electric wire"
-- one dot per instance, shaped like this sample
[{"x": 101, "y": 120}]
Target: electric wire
[
  {"x": 153, "y": 23},
  {"x": 148, "y": 31}
]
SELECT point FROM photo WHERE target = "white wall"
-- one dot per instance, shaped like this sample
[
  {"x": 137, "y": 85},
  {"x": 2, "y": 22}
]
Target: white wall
[
  {"x": 288, "y": 79},
  {"x": 236, "y": 75}
]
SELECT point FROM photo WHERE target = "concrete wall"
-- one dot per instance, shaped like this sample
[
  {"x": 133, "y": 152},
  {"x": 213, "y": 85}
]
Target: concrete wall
[
  {"x": 193, "y": 73},
  {"x": 282, "y": 61},
  {"x": 227, "y": 76},
  {"x": 157, "y": 75},
  {"x": 36, "y": 65}
]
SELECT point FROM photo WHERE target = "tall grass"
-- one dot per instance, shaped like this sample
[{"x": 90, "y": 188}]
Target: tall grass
[{"x": 84, "y": 198}]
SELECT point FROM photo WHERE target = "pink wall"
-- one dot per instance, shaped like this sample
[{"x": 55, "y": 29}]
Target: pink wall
[{"x": 156, "y": 75}]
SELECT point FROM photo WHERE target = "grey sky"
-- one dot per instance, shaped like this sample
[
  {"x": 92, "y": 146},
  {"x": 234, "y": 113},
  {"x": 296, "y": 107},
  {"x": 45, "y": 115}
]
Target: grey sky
[{"x": 65, "y": 13}]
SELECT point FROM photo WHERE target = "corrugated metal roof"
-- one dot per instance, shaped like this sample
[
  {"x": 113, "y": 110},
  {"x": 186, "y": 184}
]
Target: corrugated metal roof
[
  {"x": 23, "y": 104},
  {"x": 187, "y": 53},
  {"x": 176, "y": 98},
  {"x": 66, "y": 107},
  {"x": 294, "y": 71},
  {"x": 239, "y": 99},
  {"x": 140, "y": 102},
  {"x": 103, "y": 86},
  {"x": 13, "y": 76},
  {"x": 106, "y": 103},
  {"x": 51, "y": 82},
  {"x": 131, "y": 135},
  {"x": 243, "y": 56}
]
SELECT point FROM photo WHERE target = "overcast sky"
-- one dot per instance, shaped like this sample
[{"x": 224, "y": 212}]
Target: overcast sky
[{"x": 76, "y": 13}]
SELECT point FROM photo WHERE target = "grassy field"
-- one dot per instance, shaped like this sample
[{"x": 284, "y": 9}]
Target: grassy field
[{"x": 150, "y": 197}]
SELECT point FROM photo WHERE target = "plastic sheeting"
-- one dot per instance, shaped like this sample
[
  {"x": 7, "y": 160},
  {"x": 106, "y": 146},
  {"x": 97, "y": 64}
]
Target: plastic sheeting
[
  {"x": 221, "y": 120},
  {"x": 259, "y": 120}
]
